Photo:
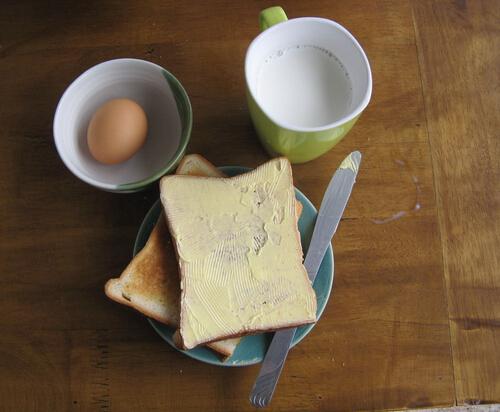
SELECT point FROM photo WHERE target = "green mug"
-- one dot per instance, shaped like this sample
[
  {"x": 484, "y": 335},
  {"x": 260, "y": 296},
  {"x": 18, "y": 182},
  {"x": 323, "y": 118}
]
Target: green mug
[{"x": 308, "y": 80}]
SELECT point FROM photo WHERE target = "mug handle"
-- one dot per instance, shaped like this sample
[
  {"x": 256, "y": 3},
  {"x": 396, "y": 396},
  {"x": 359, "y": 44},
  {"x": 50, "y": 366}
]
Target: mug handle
[{"x": 271, "y": 16}]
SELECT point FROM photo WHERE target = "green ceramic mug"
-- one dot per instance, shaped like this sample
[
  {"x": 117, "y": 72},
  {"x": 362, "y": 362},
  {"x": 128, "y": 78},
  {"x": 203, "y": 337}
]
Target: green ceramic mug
[{"x": 308, "y": 80}]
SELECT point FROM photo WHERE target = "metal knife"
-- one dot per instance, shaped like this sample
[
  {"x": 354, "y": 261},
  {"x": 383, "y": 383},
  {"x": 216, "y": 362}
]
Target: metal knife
[{"x": 331, "y": 210}]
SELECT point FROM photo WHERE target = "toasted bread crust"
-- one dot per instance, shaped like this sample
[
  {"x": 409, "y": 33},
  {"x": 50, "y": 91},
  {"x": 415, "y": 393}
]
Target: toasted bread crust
[
  {"x": 154, "y": 260},
  {"x": 220, "y": 348},
  {"x": 197, "y": 165},
  {"x": 146, "y": 312}
]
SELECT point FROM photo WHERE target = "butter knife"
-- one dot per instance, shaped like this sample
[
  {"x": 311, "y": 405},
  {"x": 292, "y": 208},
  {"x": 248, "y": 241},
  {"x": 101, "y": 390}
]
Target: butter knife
[{"x": 331, "y": 210}]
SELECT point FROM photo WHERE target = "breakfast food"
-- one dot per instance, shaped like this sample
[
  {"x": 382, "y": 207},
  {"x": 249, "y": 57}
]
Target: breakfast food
[
  {"x": 150, "y": 283},
  {"x": 239, "y": 253},
  {"x": 117, "y": 131}
]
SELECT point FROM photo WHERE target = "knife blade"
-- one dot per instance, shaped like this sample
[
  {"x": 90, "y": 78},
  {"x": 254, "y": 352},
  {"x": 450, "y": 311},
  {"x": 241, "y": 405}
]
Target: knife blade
[{"x": 332, "y": 207}]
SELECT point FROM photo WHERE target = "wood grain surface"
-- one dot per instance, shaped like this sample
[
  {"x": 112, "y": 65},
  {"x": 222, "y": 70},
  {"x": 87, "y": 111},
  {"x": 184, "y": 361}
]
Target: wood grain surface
[
  {"x": 461, "y": 86},
  {"x": 413, "y": 319}
]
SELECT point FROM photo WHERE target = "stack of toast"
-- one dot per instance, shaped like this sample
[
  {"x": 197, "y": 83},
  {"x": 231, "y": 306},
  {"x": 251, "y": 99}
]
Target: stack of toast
[{"x": 224, "y": 259}]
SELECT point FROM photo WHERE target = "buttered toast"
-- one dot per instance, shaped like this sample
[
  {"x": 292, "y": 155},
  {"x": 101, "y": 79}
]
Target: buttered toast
[{"x": 239, "y": 253}]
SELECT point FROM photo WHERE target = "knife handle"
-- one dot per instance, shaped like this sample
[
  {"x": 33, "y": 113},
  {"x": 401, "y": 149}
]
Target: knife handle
[{"x": 270, "y": 371}]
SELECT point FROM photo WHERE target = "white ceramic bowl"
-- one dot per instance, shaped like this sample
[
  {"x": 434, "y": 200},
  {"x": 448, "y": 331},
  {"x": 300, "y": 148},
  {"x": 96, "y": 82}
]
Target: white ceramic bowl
[{"x": 167, "y": 108}]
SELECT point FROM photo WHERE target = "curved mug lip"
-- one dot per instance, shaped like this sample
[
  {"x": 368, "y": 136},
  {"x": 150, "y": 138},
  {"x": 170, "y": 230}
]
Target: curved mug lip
[
  {"x": 139, "y": 184},
  {"x": 352, "y": 114}
]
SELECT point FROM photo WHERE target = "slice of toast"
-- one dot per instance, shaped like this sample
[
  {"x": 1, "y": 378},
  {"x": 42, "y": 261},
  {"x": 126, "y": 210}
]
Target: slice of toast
[
  {"x": 239, "y": 253},
  {"x": 150, "y": 283},
  {"x": 196, "y": 165}
]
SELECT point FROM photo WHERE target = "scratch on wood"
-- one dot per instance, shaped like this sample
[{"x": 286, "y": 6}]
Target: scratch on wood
[
  {"x": 471, "y": 324},
  {"x": 100, "y": 380}
]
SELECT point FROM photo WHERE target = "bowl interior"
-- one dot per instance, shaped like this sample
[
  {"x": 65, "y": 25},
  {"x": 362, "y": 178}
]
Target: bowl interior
[{"x": 153, "y": 89}]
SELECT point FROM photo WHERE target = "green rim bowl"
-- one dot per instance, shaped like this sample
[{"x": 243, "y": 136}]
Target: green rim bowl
[{"x": 167, "y": 108}]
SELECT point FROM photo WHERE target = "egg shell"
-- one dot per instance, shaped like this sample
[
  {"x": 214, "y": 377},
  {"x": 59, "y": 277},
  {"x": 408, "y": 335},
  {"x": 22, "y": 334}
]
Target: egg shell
[{"x": 117, "y": 131}]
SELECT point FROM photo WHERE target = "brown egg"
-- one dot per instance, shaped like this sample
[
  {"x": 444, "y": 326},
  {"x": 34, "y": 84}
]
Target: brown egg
[{"x": 117, "y": 131}]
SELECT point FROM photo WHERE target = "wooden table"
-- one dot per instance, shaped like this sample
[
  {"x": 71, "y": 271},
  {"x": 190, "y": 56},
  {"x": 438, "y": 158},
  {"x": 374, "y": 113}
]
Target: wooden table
[{"x": 414, "y": 319}]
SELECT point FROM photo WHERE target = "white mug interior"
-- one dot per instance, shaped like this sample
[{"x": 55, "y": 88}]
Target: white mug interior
[{"x": 322, "y": 33}]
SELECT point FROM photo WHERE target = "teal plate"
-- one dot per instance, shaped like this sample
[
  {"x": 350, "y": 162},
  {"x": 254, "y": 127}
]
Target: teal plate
[{"x": 251, "y": 349}]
